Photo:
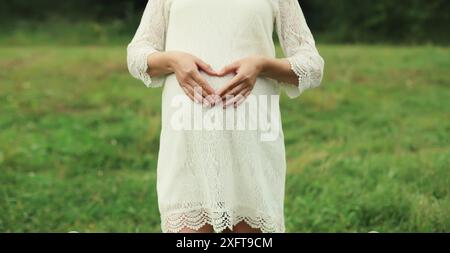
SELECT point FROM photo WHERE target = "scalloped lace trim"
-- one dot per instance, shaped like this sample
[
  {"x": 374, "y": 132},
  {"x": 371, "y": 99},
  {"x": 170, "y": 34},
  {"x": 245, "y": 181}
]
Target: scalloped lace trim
[
  {"x": 299, "y": 46},
  {"x": 149, "y": 38},
  {"x": 219, "y": 220},
  {"x": 300, "y": 72}
]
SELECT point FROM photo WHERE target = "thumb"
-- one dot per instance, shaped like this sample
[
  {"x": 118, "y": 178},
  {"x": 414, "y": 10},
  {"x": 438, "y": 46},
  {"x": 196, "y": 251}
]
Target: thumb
[
  {"x": 231, "y": 68},
  {"x": 205, "y": 67}
]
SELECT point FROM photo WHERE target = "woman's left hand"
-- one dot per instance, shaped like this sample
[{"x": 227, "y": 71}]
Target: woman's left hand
[{"x": 246, "y": 71}]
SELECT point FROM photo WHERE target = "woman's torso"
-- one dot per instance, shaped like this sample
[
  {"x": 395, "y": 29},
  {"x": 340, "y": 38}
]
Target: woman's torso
[{"x": 220, "y": 32}]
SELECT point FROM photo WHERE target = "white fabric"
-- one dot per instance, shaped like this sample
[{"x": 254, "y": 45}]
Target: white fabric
[{"x": 223, "y": 177}]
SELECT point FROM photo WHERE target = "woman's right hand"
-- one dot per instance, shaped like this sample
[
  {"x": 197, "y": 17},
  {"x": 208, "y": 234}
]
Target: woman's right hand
[{"x": 187, "y": 71}]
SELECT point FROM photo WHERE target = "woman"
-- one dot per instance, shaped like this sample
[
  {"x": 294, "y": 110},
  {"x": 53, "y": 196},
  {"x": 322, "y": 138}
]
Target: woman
[{"x": 218, "y": 54}]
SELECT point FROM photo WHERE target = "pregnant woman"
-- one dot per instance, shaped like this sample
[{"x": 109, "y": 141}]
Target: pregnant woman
[{"x": 219, "y": 56}]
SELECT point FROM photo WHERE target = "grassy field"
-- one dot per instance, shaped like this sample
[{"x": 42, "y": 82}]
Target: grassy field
[{"x": 369, "y": 150}]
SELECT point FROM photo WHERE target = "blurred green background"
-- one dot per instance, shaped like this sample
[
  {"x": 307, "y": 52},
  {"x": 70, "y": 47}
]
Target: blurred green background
[{"x": 368, "y": 150}]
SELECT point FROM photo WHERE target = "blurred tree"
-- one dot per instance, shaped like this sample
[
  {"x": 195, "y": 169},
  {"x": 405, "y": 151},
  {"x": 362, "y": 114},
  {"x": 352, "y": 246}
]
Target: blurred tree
[
  {"x": 334, "y": 21},
  {"x": 381, "y": 20}
]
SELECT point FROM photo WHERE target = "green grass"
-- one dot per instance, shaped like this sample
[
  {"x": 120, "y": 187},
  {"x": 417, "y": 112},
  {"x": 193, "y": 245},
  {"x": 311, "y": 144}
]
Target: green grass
[
  {"x": 369, "y": 150},
  {"x": 60, "y": 31}
]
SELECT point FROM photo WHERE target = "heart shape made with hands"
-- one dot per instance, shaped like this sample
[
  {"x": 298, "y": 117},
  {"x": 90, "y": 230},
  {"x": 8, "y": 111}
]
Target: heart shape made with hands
[{"x": 234, "y": 92}]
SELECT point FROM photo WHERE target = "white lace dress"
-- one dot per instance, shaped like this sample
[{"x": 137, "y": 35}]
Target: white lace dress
[{"x": 222, "y": 177}]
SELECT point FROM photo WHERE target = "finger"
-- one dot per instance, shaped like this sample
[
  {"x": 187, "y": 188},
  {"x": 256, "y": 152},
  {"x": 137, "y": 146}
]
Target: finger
[
  {"x": 235, "y": 81},
  {"x": 197, "y": 92},
  {"x": 236, "y": 89},
  {"x": 197, "y": 78},
  {"x": 233, "y": 100},
  {"x": 206, "y": 98},
  {"x": 188, "y": 93},
  {"x": 202, "y": 97},
  {"x": 214, "y": 98},
  {"x": 194, "y": 92},
  {"x": 225, "y": 100},
  {"x": 231, "y": 68},
  {"x": 244, "y": 97},
  {"x": 206, "y": 90},
  {"x": 240, "y": 97},
  {"x": 206, "y": 67}
]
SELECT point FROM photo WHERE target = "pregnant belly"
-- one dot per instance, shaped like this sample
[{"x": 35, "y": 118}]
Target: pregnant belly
[
  {"x": 263, "y": 86},
  {"x": 179, "y": 112}
]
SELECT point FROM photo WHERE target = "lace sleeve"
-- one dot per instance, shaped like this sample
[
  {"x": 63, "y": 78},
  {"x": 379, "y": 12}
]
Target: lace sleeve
[
  {"x": 299, "y": 47},
  {"x": 149, "y": 38}
]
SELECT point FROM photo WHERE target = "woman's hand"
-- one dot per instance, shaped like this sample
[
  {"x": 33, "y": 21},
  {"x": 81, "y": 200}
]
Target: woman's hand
[
  {"x": 246, "y": 71},
  {"x": 187, "y": 71}
]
